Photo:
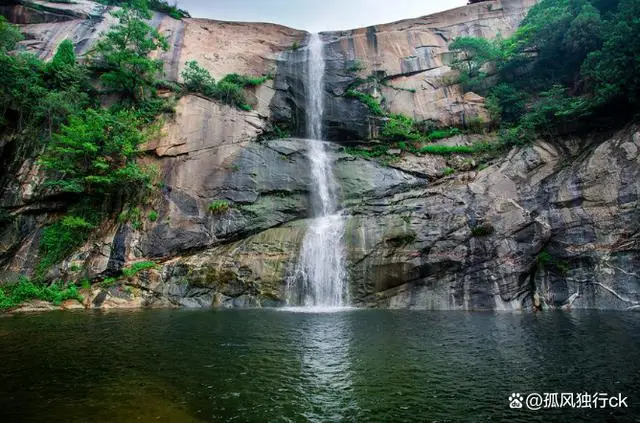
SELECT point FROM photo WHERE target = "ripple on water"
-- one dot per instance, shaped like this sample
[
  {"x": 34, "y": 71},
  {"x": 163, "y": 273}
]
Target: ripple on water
[
  {"x": 267, "y": 365},
  {"x": 317, "y": 309}
]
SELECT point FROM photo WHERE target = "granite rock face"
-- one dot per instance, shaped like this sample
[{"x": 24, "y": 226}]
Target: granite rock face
[
  {"x": 550, "y": 225},
  {"x": 408, "y": 60},
  {"x": 220, "y": 47},
  {"x": 406, "y": 68}
]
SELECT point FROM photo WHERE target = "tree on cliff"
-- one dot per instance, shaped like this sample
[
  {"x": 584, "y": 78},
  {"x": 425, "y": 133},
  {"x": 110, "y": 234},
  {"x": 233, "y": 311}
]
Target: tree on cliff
[
  {"x": 157, "y": 5},
  {"x": 90, "y": 152},
  {"x": 474, "y": 54},
  {"x": 571, "y": 64},
  {"x": 122, "y": 56},
  {"x": 95, "y": 153},
  {"x": 613, "y": 71},
  {"x": 9, "y": 35}
]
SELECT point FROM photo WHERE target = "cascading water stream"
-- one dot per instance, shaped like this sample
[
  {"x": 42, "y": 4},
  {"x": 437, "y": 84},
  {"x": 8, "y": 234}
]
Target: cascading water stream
[{"x": 319, "y": 277}]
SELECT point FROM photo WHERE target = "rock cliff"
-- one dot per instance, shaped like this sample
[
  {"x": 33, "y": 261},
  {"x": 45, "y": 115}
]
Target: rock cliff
[
  {"x": 404, "y": 64},
  {"x": 550, "y": 225}
]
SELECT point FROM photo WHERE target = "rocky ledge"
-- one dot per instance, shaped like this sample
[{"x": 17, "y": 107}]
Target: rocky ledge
[{"x": 549, "y": 225}]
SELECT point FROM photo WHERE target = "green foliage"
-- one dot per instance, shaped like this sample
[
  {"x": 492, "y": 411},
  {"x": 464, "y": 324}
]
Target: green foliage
[
  {"x": 68, "y": 84},
  {"x": 399, "y": 128},
  {"x": 109, "y": 282},
  {"x": 60, "y": 239},
  {"x": 387, "y": 84},
  {"x": 612, "y": 71},
  {"x": 473, "y": 54},
  {"x": 198, "y": 79},
  {"x": 229, "y": 90},
  {"x": 138, "y": 267},
  {"x": 9, "y": 35},
  {"x": 171, "y": 86},
  {"x": 281, "y": 132},
  {"x": 35, "y": 96},
  {"x": 366, "y": 153},
  {"x": 161, "y": 6},
  {"x": 231, "y": 94},
  {"x": 12, "y": 295},
  {"x": 122, "y": 56},
  {"x": 368, "y": 100},
  {"x": 584, "y": 33},
  {"x": 133, "y": 215},
  {"x": 95, "y": 153},
  {"x": 482, "y": 229},
  {"x": 380, "y": 151},
  {"x": 244, "y": 80},
  {"x": 64, "y": 56},
  {"x": 276, "y": 131},
  {"x": 475, "y": 124},
  {"x": 445, "y": 150},
  {"x": 90, "y": 153},
  {"x": 170, "y": 9},
  {"x": 438, "y": 134},
  {"x": 295, "y": 46},
  {"x": 506, "y": 103},
  {"x": 546, "y": 260},
  {"x": 570, "y": 61},
  {"x": 355, "y": 66},
  {"x": 148, "y": 110},
  {"x": 219, "y": 207},
  {"x": 448, "y": 171},
  {"x": 152, "y": 216}
]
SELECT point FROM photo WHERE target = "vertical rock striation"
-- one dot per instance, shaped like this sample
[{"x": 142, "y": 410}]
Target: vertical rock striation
[{"x": 550, "y": 225}]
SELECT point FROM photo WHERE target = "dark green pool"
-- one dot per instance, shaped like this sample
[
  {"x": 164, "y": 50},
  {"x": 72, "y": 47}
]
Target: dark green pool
[{"x": 276, "y": 366}]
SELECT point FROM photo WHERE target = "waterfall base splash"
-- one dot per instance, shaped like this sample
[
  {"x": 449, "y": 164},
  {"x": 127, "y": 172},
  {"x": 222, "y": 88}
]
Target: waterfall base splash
[
  {"x": 317, "y": 310},
  {"x": 319, "y": 277}
]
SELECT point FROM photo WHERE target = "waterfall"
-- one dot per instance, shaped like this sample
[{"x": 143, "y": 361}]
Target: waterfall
[{"x": 319, "y": 276}]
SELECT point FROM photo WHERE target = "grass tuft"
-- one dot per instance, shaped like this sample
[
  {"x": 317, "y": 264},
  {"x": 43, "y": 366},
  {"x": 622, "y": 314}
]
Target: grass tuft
[
  {"x": 219, "y": 206},
  {"x": 12, "y": 295},
  {"x": 138, "y": 267}
]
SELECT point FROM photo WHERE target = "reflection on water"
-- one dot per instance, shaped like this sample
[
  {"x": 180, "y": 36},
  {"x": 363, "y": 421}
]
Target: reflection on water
[
  {"x": 316, "y": 309},
  {"x": 350, "y": 365},
  {"x": 325, "y": 382}
]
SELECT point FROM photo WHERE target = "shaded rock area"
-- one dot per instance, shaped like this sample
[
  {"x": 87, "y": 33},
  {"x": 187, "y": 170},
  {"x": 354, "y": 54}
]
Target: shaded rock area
[
  {"x": 470, "y": 243},
  {"x": 550, "y": 225}
]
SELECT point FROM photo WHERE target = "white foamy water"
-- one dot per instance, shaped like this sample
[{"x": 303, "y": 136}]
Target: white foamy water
[
  {"x": 316, "y": 310},
  {"x": 319, "y": 277}
]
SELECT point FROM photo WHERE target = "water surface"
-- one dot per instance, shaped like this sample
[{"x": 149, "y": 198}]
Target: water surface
[{"x": 269, "y": 365}]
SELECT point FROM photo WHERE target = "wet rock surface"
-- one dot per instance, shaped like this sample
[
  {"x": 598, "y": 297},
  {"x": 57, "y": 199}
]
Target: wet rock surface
[
  {"x": 411, "y": 242},
  {"x": 549, "y": 225}
]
